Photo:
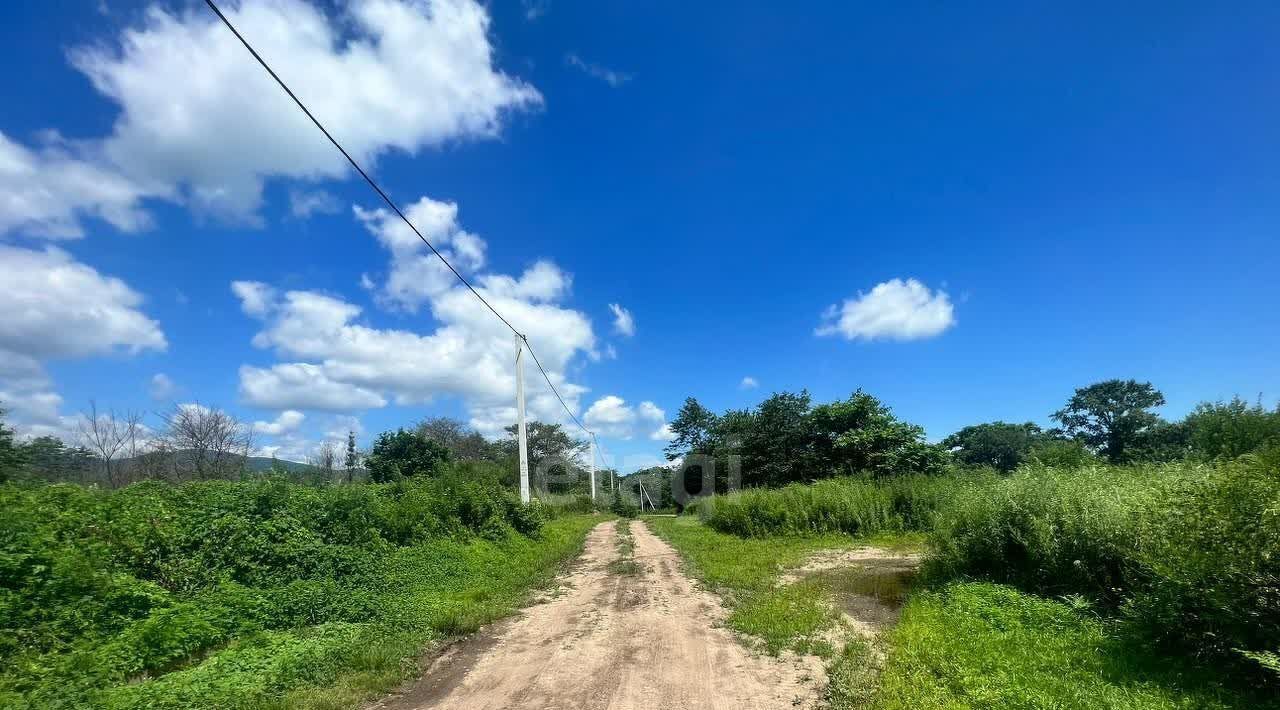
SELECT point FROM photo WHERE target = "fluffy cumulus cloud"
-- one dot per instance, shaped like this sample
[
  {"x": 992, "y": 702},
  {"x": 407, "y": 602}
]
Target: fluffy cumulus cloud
[
  {"x": 335, "y": 362},
  {"x": 58, "y": 308},
  {"x": 45, "y": 191},
  {"x": 286, "y": 422},
  {"x": 895, "y": 309},
  {"x": 417, "y": 275},
  {"x": 383, "y": 74},
  {"x": 748, "y": 383},
  {"x": 623, "y": 322},
  {"x": 612, "y": 416}
]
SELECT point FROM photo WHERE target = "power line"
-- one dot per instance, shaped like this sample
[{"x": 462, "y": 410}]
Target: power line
[{"x": 217, "y": 11}]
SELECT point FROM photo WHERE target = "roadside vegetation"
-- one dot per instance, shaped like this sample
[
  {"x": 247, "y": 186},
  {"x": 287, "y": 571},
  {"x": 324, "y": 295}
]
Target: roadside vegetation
[
  {"x": 263, "y": 592},
  {"x": 1122, "y": 561}
]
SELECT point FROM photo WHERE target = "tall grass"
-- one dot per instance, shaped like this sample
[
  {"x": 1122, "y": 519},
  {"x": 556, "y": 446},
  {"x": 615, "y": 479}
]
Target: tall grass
[{"x": 853, "y": 506}]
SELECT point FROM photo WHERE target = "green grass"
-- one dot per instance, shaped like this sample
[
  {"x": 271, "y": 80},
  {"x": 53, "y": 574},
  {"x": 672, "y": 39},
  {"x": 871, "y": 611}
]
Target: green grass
[{"x": 981, "y": 645}]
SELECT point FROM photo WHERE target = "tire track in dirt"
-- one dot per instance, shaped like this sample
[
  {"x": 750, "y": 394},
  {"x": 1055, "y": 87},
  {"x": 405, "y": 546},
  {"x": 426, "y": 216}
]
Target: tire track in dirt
[{"x": 614, "y": 642}]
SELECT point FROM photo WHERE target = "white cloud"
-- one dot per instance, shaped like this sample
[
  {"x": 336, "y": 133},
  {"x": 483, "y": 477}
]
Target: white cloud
[
  {"x": 46, "y": 191},
  {"x": 255, "y": 297},
  {"x": 200, "y": 122},
  {"x": 305, "y": 203},
  {"x": 60, "y": 308},
  {"x": 161, "y": 387},
  {"x": 610, "y": 416},
  {"x": 623, "y": 322},
  {"x": 748, "y": 383},
  {"x": 338, "y": 364},
  {"x": 605, "y": 74},
  {"x": 417, "y": 275},
  {"x": 654, "y": 414},
  {"x": 286, "y": 422},
  {"x": 305, "y": 386},
  {"x": 895, "y": 309}
]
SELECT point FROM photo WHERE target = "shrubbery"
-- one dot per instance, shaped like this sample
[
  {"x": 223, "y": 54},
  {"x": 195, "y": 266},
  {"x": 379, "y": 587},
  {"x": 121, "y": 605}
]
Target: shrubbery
[
  {"x": 97, "y": 587},
  {"x": 1189, "y": 551}
]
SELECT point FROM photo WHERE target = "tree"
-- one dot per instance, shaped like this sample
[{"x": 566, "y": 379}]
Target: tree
[
  {"x": 1000, "y": 445},
  {"x": 107, "y": 434},
  {"x": 776, "y": 440},
  {"x": 463, "y": 442},
  {"x": 1111, "y": 417},
  {"x": 694, "y": 428},
  {"x": 325, "y": 459},
  {"x": 352, "y": 457},
  {"x": 860, "y": 434},
  {"x": 1231, "y": 429},
  {"x": 206, "y": 443},
  {"x": 403, "y": 454},
  {"x": 552, "y": 452}
]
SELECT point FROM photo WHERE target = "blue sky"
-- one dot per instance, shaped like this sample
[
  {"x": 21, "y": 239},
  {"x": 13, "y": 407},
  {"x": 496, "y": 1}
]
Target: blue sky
[{"x": 1001, "y": 204}]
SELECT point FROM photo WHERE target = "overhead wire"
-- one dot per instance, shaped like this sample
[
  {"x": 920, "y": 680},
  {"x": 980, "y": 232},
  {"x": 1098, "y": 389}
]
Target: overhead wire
[{"x": 391, "y": 203}]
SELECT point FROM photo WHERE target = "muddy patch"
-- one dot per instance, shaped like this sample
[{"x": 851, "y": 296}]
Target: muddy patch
[{"x": 868, "y": 585}]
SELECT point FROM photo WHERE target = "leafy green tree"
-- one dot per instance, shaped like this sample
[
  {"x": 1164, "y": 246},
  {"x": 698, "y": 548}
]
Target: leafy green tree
[
  {"x": 403, "y": 454},
  {"x": 776, "y": 441},
  {"x": 1231, "y": 429},
  {"x": 463, "y": 442},
  {"x": 553, "y": 454},
  {"x": 1000, "y": 445},
  {"x": 861, "y": 434},
  {"x": 694, "y": 427},
  {"x": 1111, "y": 417}
]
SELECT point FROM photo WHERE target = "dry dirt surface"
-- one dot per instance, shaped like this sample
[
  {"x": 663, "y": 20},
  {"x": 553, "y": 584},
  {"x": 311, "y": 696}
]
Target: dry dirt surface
[{"x": 613, "y": 640}]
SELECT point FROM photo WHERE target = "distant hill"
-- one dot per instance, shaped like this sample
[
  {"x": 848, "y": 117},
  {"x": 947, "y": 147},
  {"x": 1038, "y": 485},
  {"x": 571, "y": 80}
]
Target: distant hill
[
  {"x": 262, "y": 463},
  {"x": 259, "y": 464}
]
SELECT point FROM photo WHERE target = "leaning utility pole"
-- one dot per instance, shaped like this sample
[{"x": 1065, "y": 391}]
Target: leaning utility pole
[{"x": 520, "y": 430}]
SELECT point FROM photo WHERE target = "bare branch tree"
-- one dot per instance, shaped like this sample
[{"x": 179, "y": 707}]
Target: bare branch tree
[
  {"x": 107, "y": 434},
  {"x": 325, "y": 459},
  {"x": 206, "y": 443}
]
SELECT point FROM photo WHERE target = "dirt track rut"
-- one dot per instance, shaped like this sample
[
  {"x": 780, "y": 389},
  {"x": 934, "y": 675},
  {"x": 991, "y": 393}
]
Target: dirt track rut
[{"x": 617, "y": 642}]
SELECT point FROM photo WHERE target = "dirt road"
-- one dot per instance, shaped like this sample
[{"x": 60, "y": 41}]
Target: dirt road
[{"x": 614, "y": 638}]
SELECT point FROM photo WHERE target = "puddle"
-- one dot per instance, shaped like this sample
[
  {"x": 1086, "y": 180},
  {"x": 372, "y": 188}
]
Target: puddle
[{"x": 871, "y": 592}]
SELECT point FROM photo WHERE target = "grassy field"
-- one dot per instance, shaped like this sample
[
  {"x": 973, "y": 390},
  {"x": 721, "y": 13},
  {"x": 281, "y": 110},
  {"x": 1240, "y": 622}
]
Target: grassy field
[{"x": 982, "y": 645}]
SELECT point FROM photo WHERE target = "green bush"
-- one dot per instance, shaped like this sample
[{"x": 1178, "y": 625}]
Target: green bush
[
  {"x": 98, "y": 587},
  {"x": 1187, "y": 550}
]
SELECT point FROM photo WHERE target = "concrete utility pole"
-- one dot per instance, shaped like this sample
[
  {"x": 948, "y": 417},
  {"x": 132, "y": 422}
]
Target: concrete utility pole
[
  {"x": 521, "y": 434},
  {"x": 593, "y": 468}
]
